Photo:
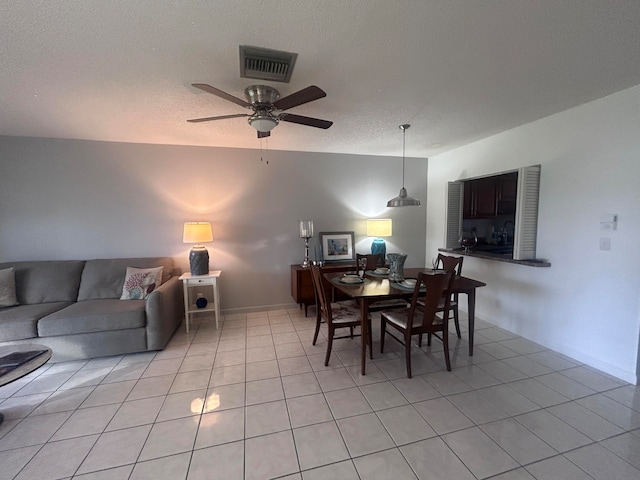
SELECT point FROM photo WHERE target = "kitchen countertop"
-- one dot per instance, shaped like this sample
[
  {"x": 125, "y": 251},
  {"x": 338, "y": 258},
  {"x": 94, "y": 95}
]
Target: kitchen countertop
[{"x": 506, "y": 258}]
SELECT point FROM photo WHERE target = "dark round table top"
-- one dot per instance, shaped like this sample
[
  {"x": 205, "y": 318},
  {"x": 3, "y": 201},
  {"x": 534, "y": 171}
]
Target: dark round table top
[{"x": 16, "y": 361}]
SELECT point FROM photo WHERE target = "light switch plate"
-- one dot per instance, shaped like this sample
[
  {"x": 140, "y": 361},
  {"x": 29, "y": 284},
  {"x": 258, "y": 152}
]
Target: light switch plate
[{"x": 609, "y": 221}]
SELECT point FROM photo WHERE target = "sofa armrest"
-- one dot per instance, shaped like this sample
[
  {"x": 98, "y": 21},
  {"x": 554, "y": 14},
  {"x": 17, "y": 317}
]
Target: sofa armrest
[{"x": 164, "y": 311}]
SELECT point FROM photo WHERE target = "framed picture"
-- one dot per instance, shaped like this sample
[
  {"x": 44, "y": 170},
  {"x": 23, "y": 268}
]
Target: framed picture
[{"x": 337, "y": 246}]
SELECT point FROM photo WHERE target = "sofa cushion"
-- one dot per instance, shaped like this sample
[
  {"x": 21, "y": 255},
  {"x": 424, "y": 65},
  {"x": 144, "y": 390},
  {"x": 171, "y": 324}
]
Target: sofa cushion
[
  {"x": 104, "y": 278},
  {"x": 20, "y": 323},
  {"x": 7, "y": 288},
  {"x": 46, "y": 281},
  {"x": 93, "y": 316}
]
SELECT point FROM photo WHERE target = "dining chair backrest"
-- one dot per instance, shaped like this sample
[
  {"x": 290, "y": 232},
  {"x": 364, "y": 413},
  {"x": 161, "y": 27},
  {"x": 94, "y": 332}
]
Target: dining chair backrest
[
  {"x": 315, "y": 290},
  {"x": 449, "y": 264},
  {"x": 373, "y": 261},
  {"x": 425, "y": 304},
  {"x": 322, "y": 292}
]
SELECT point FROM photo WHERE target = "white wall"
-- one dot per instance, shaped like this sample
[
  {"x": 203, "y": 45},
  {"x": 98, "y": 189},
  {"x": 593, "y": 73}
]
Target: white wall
[
  {"x": 67, "y": 199},
  {"x": 587, "y": 304}
]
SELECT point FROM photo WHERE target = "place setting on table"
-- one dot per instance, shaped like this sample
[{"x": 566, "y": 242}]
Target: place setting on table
[
  {"x": 394, "y": 273},
  {"x": 350, "y": 279},
  {"x": 380, "y": 272},
  {"x": 405, "y": 284}
]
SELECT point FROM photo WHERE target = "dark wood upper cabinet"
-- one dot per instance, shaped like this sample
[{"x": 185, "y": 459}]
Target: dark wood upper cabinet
[
  {"x": 490, "y": 196},
  {"x": 485, "y": 196},
  {"x": 467, "y": 207},
  {"x": 507, "y": 193}
]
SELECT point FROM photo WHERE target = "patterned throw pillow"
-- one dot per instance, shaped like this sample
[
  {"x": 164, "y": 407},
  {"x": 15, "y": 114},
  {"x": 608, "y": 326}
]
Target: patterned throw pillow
[
  {"x": 7, "y": 288},
  {"x": 140, "y": 282}
]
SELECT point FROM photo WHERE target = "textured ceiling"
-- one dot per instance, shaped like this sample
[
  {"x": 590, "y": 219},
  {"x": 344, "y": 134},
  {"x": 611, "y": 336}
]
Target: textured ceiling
[{"x": 456, "y": 70}]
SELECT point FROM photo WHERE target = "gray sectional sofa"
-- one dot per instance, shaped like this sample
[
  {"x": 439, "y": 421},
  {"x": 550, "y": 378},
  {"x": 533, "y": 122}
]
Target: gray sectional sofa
[{"x": 74, "y": 307}]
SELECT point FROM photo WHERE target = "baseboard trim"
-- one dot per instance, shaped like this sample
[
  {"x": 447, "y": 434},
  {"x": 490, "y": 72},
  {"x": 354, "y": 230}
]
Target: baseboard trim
[{"x": 261, "y": 308}]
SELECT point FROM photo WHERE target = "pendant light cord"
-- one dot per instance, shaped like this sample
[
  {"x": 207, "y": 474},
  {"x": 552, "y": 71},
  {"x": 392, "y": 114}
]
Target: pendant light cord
[
  {"x": 403, "y": 127},
  {"x": 404, "y": 136}
]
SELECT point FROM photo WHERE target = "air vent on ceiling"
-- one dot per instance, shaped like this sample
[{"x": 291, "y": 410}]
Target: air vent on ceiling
[{"x": 265, "y": 64}]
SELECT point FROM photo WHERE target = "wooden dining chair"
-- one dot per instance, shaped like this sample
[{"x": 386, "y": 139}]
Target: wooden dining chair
[
  {"x": 345, "y": 314},
  {"x": 349, "y": 304},
  {"x": 451, "y": 264},
  {"x": 422, "y": 316},
  {"x": 373, "y": 261}
]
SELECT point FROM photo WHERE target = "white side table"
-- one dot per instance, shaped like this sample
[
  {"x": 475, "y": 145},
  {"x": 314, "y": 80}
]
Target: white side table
[{"x": 189, "y": 284}]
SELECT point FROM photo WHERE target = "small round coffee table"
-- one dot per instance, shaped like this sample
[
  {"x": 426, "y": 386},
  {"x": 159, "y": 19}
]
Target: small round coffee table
[{"x": 16, "y": 361}]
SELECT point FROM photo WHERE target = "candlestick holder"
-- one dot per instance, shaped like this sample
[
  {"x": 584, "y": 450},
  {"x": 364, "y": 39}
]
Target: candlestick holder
[{"x": 306, "y": 232}]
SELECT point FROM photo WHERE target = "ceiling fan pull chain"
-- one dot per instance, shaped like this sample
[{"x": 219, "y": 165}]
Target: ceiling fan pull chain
[
  {"x": 262, "y": 140},
  {"x": 267, "y": 142}
]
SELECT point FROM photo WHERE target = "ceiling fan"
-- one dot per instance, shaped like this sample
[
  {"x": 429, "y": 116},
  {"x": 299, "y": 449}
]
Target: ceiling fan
[{"x": 268, "y": 108}]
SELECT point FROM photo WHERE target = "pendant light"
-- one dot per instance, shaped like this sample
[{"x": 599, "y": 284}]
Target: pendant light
[{"x": 403, "y": 200}]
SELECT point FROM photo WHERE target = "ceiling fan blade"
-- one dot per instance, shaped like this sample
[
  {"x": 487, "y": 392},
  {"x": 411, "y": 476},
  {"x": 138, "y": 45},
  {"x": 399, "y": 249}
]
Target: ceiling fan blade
[
  {"x": 222, "y": 117},
  {"x": 221, "y": 94},
  {"x": 263, "y": 134},
  {"x": 300, "y": 97},
  {"x": 310, "y": 122}
]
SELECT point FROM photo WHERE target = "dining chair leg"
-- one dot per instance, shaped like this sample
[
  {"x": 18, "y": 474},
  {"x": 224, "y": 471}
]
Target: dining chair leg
[
  {"x": 428, "y": 339},
  {"x": 445, "y": 342},
  {"x": 383, "y": 330},
  {"x": 420, "y": 340},
  {"x": 455, "y": 315},
  {"x": 315, "y": 335},
  {"x": 329, "y": 346},
  {"x": 351, "y": 332},
  {"x": 407, "y": 351}
]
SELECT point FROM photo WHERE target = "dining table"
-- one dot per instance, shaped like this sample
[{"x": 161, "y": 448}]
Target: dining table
[{"x": 375, "y": 288}]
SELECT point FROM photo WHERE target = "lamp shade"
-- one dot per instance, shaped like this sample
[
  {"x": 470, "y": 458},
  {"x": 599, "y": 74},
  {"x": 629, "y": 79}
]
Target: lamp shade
[
  {"x": 381, "y": 227},
  {"x": 306, "y": 228},
  {"x": 197, "y": 232}
]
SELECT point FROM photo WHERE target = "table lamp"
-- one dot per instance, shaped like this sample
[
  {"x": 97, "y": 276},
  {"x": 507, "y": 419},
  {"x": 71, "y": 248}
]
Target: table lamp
[
  {"x": 198, "y": 233},
  {"x": 379, "y": 228},
  {"x": 306, "y": 232}
]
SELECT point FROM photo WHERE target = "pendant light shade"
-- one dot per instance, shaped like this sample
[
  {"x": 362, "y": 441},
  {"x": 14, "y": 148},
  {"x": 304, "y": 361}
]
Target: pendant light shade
[{"x": 403, "y": 199}]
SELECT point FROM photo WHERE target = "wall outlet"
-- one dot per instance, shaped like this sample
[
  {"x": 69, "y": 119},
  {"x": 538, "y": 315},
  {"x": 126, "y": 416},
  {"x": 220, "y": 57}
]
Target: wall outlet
[{"x": 605, "y": 243}]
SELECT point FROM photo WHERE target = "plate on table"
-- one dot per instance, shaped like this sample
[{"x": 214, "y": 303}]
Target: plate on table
[
  {"x": 381, "y": 271},
  {"x": 408, "y": 282},
  {"x": 351, "y": 279}
]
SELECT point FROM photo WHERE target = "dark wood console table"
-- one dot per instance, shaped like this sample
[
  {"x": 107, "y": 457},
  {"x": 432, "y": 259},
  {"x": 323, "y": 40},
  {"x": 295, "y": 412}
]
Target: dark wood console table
[{"x": 302, "y": 285}]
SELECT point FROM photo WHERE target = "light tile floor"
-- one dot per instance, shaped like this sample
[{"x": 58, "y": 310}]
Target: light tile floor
[{"x": 253, "y": 400}]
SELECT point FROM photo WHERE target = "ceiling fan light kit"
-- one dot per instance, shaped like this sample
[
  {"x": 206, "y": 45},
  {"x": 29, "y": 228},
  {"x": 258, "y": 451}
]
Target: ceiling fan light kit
[
  {"x": 403, "y": 199},
  {"x": 263, "y": 123}
]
